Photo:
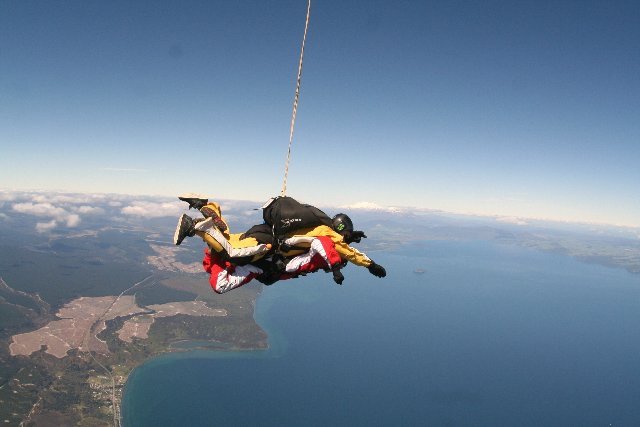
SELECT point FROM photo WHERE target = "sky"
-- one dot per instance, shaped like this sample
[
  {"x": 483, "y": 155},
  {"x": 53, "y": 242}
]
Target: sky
[{"x": 513, "y": 108}]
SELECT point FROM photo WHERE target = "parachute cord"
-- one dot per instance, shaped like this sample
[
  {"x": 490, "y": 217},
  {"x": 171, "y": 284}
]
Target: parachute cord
[{"x": 295, "y": 103}]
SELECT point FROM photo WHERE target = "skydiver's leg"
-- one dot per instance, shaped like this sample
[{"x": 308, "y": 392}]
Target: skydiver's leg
[
  {"x": 207, "y": 208},
  {"x": 302, "y": 263},
  {"x": 223, "y": 280},
  {"x": 322, "y": 254},
  {"x": 219, "y": 242},
  {"x": 210, "y": 241},
  {"x": 224, "y": 276},
  {"x": 189, "y": 227},
  {"x": 185, "y": 228},
  {"x": 212, "y": 210}
]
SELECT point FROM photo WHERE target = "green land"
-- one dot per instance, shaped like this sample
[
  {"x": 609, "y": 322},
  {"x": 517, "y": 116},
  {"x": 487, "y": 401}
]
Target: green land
[{"x": 85, "y": 387}]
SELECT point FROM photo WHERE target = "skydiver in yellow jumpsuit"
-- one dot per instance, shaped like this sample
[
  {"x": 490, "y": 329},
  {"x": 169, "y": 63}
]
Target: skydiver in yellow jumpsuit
[{"x": 214, "y": 231}]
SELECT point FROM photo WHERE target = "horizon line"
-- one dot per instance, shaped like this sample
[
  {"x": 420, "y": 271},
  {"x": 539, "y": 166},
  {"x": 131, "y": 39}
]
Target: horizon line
[{"x": 390, "y": 208}]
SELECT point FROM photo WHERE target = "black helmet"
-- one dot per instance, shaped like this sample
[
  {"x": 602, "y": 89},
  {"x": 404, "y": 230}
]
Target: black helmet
[{"x": 342, "y": 224}]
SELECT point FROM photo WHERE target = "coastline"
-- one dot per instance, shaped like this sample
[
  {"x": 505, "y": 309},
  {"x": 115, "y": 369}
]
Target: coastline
[{"x": 274, "y": 346}]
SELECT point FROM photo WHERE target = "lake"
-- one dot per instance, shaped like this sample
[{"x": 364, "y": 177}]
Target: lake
[{"x": 488, "y": 335}]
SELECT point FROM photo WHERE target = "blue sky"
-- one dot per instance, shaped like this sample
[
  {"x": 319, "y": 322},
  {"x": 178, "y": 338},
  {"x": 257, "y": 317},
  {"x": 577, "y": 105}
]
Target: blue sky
[{"x": 510, "y": 108}]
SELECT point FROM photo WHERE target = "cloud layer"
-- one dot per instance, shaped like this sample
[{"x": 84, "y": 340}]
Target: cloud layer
[
  {"x": 66, "y": 210},
  {"x": 153, "y": 209},
  {"x": 369, "y": 206},
  {"x": 512, "y": 220},
  {"x": 47, "y": 210}
]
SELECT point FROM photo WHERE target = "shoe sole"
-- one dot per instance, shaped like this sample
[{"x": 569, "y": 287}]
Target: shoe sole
[
  {"x": 176, "y": 234},
  {"x": 193, "y": 196}
]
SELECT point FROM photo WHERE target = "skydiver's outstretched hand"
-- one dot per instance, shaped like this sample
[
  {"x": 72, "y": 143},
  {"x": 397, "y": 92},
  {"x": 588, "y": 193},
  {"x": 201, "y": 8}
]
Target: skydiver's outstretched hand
[
  {"x": 338, "y": 277},
  {"x": 354, "y": 237},
  {"x": 377, "y": 270}
]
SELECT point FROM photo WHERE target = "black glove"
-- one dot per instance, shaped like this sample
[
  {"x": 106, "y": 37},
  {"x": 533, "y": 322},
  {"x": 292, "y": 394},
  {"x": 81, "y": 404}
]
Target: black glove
[
  {"x": 338, "y": 277},
  {"x": 377, "y": 270},
  {"x": 278, "y": 263},
  {"x": 354, "y": 237}
]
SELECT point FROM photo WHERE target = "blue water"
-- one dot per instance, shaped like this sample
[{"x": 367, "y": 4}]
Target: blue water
[{"x": 488, "y": 335}]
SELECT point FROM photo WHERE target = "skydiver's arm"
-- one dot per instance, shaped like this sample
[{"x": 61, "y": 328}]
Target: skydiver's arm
[
  {"x": 352, "y": 254},
  {"x": 346, "y": 252}
]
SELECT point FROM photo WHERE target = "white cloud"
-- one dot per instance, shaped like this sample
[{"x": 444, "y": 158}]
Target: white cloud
[
  {"x": 3, "y": 216},
  {"x": 62, "y": 198},
  {"x": 73, "y": 220},
  {"x": 84, "y": 209},
  {"x": 40, "y": 209},
  {"x": 115, "y": 204},
  {"x": 41, "y": 227},
  {"x": 40, "y": 198},
  {"x": 364, "y": 205},
  {"x": 512, "y": 220},
  {"x": 230, "y": 218},
  {"x": 6, "y": 196},
  {"x": 47, "y": 210},
  {"x": 153, "y": 209},
  {"x": 370, "y": 206},
  {"x": 72, "y": 199}
]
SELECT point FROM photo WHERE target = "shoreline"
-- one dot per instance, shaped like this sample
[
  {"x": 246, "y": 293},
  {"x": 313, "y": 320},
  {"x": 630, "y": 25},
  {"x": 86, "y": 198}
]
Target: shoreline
[
  {"x": 260, "y": 308},
  {"x": 166, "y": 357}
]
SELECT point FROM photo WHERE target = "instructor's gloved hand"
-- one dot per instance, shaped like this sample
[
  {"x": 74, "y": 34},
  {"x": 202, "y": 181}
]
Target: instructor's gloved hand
[
  {"x": 338, "y": 277},
  {"x": 377, "y": 270},
  {"x": 354, "y": 237}
]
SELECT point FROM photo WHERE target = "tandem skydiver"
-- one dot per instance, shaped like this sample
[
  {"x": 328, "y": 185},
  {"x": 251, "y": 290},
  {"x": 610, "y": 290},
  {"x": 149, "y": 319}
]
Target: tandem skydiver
[
  {"x": 289, "y": 231},
  {"x": 225, "y": 276}
]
